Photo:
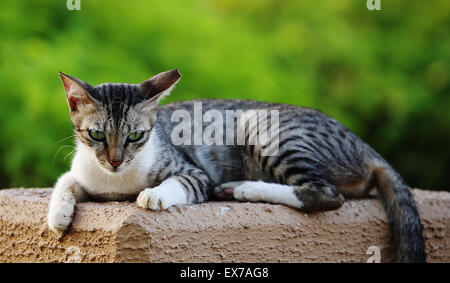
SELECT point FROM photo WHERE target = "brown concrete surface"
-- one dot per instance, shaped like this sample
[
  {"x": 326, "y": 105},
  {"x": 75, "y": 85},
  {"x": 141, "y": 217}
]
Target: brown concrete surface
[{"x": 211, "y": 232}]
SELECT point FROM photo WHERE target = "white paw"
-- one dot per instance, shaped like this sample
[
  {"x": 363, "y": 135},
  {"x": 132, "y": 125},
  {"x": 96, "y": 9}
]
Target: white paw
[
  {"x": 169, "y": 193},
  {"x": 60, "y": 216},
  {"x": 247, "y": 191},
  {"x": 152, "y": 199}
]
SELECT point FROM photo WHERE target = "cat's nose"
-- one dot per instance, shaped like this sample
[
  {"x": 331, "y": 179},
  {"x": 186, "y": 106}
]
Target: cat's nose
[{"x": 115, "y": 163}]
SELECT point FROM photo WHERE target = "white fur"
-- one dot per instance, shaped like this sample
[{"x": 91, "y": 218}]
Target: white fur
[
  {"x": 267, "y": 192},
  {"x": 96, "y": 180},
  {"x": 88, "y": 174},
  {"x": 62, "y": 203},
  {"x": 169, "y": 193}
]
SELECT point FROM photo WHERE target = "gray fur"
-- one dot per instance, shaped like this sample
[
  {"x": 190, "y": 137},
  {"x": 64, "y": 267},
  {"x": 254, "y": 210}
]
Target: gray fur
[{"x": 318, "y": 156}]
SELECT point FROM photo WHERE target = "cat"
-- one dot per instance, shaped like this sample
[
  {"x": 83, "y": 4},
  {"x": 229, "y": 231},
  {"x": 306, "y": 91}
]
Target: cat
[{"x": 124, "y": 151}]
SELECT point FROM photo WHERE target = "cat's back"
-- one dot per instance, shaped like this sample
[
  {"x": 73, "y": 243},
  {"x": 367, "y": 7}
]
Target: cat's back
[
  {"x": 196, "y": 109},
  {"x": 229, "y": 104}
]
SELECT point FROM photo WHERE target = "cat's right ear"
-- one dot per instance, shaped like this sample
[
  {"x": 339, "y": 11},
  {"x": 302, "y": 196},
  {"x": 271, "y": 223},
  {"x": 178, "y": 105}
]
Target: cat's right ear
[{"x": 76, "y": 92}]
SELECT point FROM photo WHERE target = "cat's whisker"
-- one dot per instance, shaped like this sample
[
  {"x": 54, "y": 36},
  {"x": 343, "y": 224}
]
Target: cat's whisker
[
  {"x": 71, "y": 136},
  {"x": 67, "y": 154},
  {"x": 60, "y": 148}
]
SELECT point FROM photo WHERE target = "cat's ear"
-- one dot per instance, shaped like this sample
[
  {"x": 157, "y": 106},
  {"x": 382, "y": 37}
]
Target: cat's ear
[
  {"x": 159, "y": 86},
  {"x": 77, "y": 92}
]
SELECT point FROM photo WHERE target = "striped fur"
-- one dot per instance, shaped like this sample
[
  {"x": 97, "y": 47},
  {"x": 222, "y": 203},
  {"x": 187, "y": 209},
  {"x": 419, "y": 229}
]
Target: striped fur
[{"x": 319, "y": 161}]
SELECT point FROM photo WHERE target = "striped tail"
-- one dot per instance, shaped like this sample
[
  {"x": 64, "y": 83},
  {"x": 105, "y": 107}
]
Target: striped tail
[{"x": 404, "y": 219}]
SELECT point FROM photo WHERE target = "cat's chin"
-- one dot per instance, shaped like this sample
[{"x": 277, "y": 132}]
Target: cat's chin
[{"x": 114, "y": 172}]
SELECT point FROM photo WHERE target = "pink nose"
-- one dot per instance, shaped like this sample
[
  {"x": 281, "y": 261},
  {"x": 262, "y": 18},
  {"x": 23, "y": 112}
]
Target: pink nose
[{"x": 115, "y": 163}]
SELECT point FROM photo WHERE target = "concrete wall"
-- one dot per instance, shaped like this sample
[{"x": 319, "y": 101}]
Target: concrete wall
[{"x": 211, "y": 232}]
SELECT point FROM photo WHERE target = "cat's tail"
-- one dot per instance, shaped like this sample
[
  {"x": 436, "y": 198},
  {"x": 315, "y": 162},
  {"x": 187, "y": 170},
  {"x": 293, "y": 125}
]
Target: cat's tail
[{"x": 403, "y": 216}]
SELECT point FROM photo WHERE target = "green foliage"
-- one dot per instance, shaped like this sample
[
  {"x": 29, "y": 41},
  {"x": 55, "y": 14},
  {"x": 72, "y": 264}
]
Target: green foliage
[{"x": 384, "y": 74}]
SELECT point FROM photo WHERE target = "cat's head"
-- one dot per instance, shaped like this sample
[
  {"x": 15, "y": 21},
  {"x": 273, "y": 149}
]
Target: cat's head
[{"x": 115, "y": 120}]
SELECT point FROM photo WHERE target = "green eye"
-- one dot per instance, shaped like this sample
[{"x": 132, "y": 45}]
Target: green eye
[
  {"x": 135, "y": 136},
  {"x": 97, "y": 135}
]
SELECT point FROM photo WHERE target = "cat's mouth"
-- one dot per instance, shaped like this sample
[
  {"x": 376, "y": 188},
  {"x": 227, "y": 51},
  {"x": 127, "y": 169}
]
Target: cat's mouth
[
  {"x": 115, "y": 170},
  {"x": 112, "y": 170}
]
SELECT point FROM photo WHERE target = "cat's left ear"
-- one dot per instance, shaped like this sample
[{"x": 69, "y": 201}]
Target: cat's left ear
[{"x": 158, "y": 87}]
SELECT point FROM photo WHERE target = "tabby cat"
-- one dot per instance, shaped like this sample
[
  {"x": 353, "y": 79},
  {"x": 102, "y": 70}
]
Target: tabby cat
[{"x": 125, "y": 152}]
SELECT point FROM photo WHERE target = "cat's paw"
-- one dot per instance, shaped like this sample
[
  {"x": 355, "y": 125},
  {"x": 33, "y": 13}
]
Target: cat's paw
[
  {"x": 60, "y": 215},
  {"x": 225, "y": 191},
  {"x": 248, "y": 191},
  {"x": 154, "y": 199},
  {"x": 169, "y": 193},
  {"x": 240, "y": 190}
]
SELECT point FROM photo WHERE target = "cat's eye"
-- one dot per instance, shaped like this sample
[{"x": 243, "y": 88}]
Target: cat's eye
[
  {"x": 97, "y": 135},
  {"x": 133, "y": 137}
]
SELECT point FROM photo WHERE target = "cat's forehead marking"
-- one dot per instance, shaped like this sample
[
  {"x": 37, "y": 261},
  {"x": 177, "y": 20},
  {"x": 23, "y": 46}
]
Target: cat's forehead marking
[
  {"x": 110, "y": 93},
  {"x": 118, "y": 98}
]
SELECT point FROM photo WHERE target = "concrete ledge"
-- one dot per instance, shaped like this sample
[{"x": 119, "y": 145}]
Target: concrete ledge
[{"x": 211, "y": 232}]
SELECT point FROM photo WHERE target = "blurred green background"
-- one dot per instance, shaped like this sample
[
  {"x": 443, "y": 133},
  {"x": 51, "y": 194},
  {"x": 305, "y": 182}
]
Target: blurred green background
[{"x": 384, "y": 74}]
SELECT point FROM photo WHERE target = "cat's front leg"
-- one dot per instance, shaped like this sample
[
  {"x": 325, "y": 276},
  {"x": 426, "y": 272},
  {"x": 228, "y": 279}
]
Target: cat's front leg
[{"x": 62, "y": 203}]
